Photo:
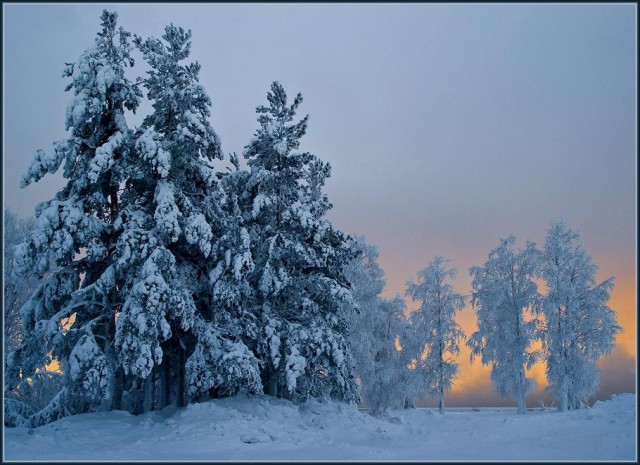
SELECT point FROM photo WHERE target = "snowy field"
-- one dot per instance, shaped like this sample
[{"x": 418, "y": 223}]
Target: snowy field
[{"x": 268, "y": 429}]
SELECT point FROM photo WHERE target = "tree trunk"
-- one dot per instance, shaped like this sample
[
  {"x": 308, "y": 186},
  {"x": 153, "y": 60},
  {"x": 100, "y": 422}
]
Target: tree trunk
[
  {"x": 564, "y": 403},
  {"x": 166, "y": 378},
  {"x": 113, "y": 204},
  {"x": 564, "y": 396},
  {"x": 441, "y": 400},
  {"x": 116, "y": 393},
  {"x": 521, "y": 407},
  {"x": 158, "y": 402},
  {"x": 521, "y": 394},
  {"x": 147, "y": 403},
  {"x": 180, "y": 381},
  {"x": 573, "y": 402},
  {"x": 271, "y": 389}
]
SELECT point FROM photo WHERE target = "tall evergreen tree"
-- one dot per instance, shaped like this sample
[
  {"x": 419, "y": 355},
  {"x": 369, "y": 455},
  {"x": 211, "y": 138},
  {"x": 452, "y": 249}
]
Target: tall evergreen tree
[
  {"x": 72, "y": 315},
  {"x": 298, "y": 259},
  {"x": 580, "y": 326},
  {"x": 169, "y": 208},
  {"x": 435, "y": 327},
  {"x": 193, "y": 347},
  {"x": 503, "y": 291}
]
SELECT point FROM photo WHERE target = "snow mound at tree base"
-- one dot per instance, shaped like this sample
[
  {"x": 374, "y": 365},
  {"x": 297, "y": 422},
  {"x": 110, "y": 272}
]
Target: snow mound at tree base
[{"x": 264, "y": 428}]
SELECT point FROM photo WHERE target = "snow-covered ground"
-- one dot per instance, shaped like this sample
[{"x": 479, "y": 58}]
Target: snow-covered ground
[{"x": 268, "y": 429}]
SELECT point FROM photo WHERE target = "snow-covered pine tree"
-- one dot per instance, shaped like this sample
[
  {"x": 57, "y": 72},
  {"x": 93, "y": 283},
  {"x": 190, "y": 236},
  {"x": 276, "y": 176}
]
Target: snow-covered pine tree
[
  {"x": 580, "y": 326},
  {"x": 375, "y": 324},
  {"x": 504, "y": 291},
  {"x": 298, "y": 259},
  {"x": 174, "y": 333},
  {"x": 434, "y": 325},
  {"x": 71, "y": 316}
]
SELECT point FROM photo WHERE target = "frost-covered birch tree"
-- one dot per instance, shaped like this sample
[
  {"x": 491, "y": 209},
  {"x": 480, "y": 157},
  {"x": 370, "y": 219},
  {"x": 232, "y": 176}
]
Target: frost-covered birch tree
[
  {"x": 580, "y": 326},
  {"x": 367, "y": 282},
  {"x": 375, "y": 324},
  {"x": 17, "y": 290},
  {"x": 27, "y": 396},
  {"x": 434, "y": 326},
  {"x": 298, "y": 259},
  {"x": 504, "y": 293},
  {"x": 387, "y": 379}
]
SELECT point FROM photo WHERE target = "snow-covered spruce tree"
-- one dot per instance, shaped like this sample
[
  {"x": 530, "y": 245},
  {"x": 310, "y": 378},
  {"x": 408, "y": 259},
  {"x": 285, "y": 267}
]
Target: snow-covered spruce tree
[
  {"x": 504, "y": 291},
  {"x": 71, "y": 316},
  {"x": 298, "y": 260},
  {"x": 374, "y": 325},
  {"x": 580, "y": 326},
  {"x": 435, "y": 327}
]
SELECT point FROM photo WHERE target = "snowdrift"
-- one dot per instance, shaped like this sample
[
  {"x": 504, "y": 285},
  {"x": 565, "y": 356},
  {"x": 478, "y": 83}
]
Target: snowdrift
[{"x": 267, "y": 429}]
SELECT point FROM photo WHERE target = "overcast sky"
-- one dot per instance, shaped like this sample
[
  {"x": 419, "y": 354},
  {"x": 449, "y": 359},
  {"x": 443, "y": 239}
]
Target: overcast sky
[{"x": 447, "y": 126}]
